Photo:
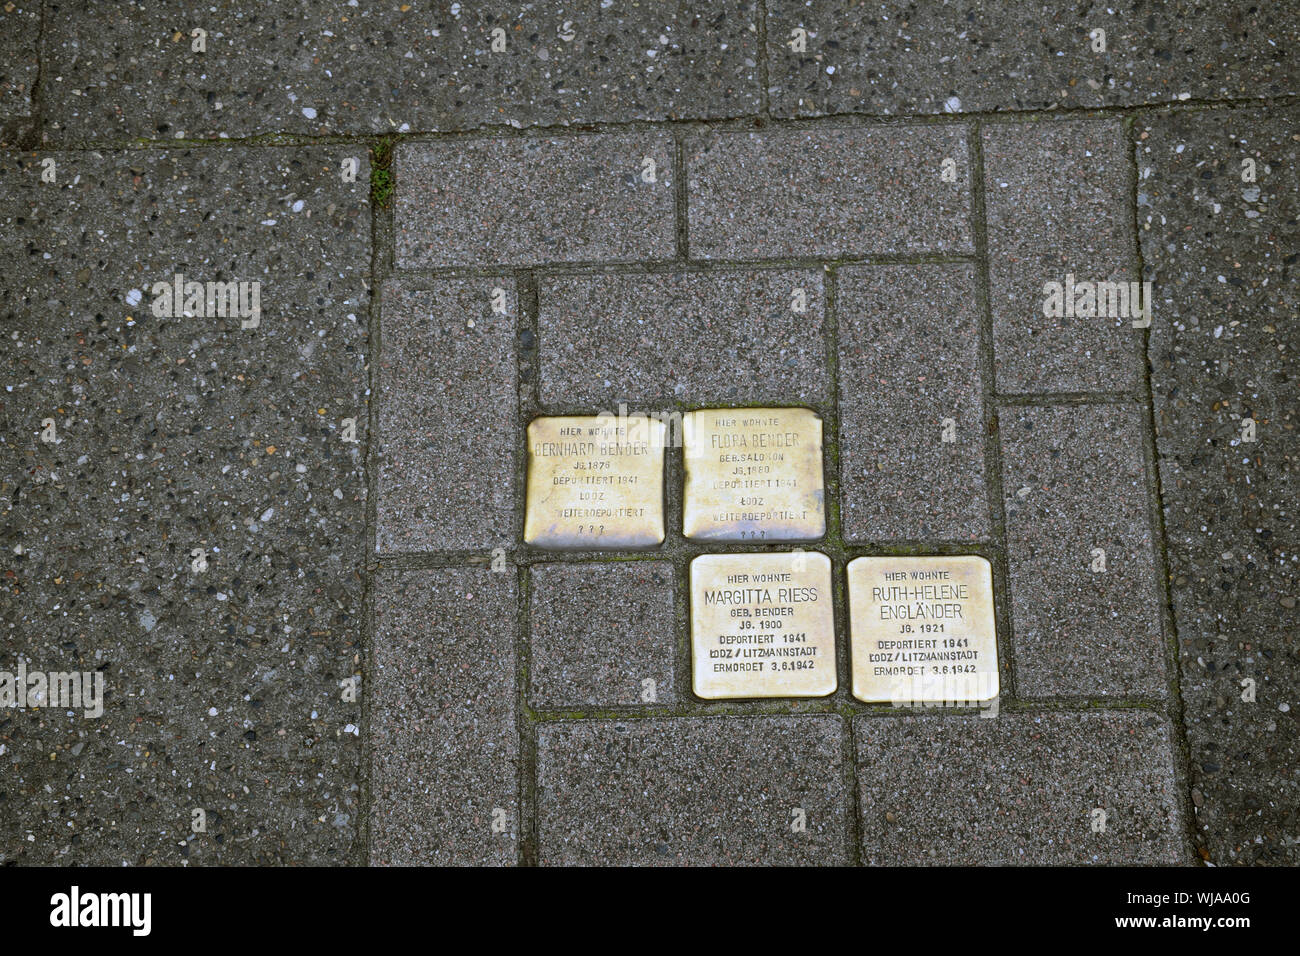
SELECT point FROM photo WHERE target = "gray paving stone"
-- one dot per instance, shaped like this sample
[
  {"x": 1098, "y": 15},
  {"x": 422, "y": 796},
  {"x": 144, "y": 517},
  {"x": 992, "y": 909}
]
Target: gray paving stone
[
  {"x": 896, "y": 57},
  {"x": 447, "y": 442},
  {"x": 525, "y": 201},
  {"x": 827, "y": 192},
  {"x": 599, "y": 632},
  {"x": 1223, "y": 255},
  {"x": 1074, "y": 481},
  {"x": 1018, "y": 789},
  {"x": 20, "y": 30},
  {"x": 1056, "y": 206},
  {"x": 692, "y": 790},
  {"x": 909, "y": 349},
  {"x": 662, "y": 338},
  {"x": 175, "y": 434},
  {"x": 315, "y": 67},
  {"x": 444, "y": 746}
]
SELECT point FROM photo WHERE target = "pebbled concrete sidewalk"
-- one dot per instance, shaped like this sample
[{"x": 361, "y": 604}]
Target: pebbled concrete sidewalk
[{"x": 291, "y": 540}]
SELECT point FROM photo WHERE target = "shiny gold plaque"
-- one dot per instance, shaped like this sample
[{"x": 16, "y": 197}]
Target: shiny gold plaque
[
  {"x": 753, "y": 474},
  {"x": 922, "y": 631},
  {"x": 762, "y": 625},
  {"x": 595, "y": 481}
]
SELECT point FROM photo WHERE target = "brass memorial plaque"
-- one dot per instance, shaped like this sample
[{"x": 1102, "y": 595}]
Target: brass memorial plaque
[
  {"x": 922, "y": 630},
  {"x": 753, "y": 474},
  {"x": 762, "y": 625},
  {"x": 595, "y": 481}
]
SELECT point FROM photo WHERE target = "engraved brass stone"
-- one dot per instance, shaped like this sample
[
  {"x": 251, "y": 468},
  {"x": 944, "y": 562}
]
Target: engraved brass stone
[
  {"x": 762, "y": 625},
  {"x": 753, "y": 474},
  {"x": 595, "y": 481},
  {"x": 922, "y": 630}
]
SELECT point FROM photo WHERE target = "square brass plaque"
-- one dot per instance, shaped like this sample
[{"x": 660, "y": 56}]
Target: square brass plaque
[
  {"x": 753, "y": 474},
  {"x": 595, "y": 481},
  {"x": 921, "y": 629},
  {"x": 762, "y": 625}
]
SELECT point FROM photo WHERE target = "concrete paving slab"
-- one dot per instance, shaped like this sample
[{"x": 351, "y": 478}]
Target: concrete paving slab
[
  {"x": 528, "y": 201},
  {"x": 447, "y": 423},
  {"x": 1057, "y": 213},
  {"x": 20, "y": 33},
  {"x": 699, "y": 791},
  {"x": 602, "y": 635},
  {"x": 739, "y": 336},
  {"x": 1084, "y": 597},
  {"x": 1021, "y": 789},
  {"x": 315, "y": 68},
  {"x": 911, "y": 404},
  {"x": 194, "y": 527},
  {"x": 444, "y": 746},
  {"x": 828, "y": 192},
  {"x": 897, "y": 58},
  {"x": 1222, "y": 251}
]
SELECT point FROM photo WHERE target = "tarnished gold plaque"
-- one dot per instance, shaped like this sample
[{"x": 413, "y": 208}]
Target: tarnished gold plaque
[
  {"x": 762, "y": 625},
  {"x": 753, "y": 474},
  {"x": 595, "y": 481},
  {"x": 921, "y": 630}
]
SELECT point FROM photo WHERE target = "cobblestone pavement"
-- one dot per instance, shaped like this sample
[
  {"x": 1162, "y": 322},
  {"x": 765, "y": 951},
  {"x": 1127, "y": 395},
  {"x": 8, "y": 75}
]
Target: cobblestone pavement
[{"x": 285, "y": 528}]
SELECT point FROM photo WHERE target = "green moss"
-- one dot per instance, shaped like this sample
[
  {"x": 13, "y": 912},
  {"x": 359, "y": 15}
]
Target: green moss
[
  {"x": 381, "y": 173},
  {"x": 381, "y": 186}
]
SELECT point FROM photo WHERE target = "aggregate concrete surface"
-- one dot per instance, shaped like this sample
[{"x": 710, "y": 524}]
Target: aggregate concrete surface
[{"x": 283, "y": 284}]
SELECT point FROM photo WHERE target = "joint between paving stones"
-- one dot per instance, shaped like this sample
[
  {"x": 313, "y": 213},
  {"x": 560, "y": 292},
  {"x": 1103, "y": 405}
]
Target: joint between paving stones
[
  {"x": 832, "y": 706},
  {"x": 31, "y": 139},
  {"x": 525, "y": 725},
  {"x": 992, "y": 439},
  {"x": 380, "y": 230},
  {"x": 681, "y": 211},
  {"x": 1160, "y": 543},
  {"x": 1015, "y": 399},
  {"x": 683, "y": 671},
  {"x": 839, "y": 701},
  {"x": 742, "y": 121},
  {"x": 526, "y": 409},
  {"x": 677, "y": 266},
  {"x": 831, "y": 413}
]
